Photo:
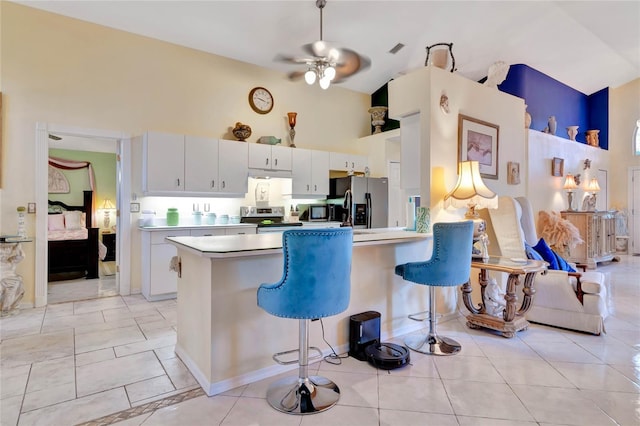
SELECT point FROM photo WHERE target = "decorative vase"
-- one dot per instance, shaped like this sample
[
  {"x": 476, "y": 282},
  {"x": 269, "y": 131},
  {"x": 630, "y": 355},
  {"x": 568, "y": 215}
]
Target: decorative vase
[
  {"x": 527, "y": 118},
  {"x": 572, "y": 131},
  {"x": 552, "y": 125},
  {"x": 592, "y": 138},
  {"x": 377, "y": 117},
  {"x": 292, "y": 124},
  {"x": 241, "y": 131}
]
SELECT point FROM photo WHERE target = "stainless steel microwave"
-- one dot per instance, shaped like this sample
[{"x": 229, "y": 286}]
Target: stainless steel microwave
[{"x": 318, "y": 212}]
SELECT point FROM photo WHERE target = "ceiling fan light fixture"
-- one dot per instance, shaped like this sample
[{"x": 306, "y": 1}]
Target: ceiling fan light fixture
[
  {"x": 330, "y": 72},
  {"x": 324, "y": 83},
  {"x": 310, "y": 76}
]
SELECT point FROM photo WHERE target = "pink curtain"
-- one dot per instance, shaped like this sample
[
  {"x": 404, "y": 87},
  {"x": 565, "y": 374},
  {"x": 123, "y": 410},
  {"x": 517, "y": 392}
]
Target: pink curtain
[{"x": 63, "y": 164}]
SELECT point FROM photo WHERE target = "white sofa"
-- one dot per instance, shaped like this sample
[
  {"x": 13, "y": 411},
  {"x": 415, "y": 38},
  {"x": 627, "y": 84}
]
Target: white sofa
[{"x": 572, "y": 301}]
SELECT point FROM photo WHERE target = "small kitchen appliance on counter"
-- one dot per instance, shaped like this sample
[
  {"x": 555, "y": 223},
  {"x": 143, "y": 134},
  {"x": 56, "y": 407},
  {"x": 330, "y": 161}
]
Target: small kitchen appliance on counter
[{"x": 268, "y": 219}]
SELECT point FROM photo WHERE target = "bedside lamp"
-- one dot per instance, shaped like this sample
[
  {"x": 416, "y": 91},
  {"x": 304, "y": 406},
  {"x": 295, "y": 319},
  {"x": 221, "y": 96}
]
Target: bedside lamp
[
  {"x": 570, "y": 186},
  {"x": 471, "y": 192},
  {"x": 593, "y": 188},
  {"x": 107, "y": 207}
]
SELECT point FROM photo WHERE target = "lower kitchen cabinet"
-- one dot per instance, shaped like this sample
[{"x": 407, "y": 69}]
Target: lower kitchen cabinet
[{"x": 159, "y": 282}]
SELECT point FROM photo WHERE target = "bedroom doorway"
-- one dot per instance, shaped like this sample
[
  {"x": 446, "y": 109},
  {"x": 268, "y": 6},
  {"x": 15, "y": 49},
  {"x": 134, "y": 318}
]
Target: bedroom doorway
[
  {"x": 71, "y": 280},
  {"x": 113, "y": 277}
]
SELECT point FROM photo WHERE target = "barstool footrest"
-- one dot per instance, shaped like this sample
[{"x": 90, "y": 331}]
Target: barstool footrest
[
  {"x": 419, "y": 316},
  {"x": 276, "y": 356}
]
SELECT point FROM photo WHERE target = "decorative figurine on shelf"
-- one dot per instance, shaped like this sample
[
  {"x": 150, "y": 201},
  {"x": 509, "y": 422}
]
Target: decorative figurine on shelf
[
  {"x": 497, "y": 74},
  {"x": 377, "y": 117},
  {"x": 572, "y": 131},
  {"x": 241, "y": 131},
  {"x": 592, "y": 138},
  {"x": 551, "y": 126},
  {"x": 269, "y": 140},
  {"x": 292, "y": 124}
]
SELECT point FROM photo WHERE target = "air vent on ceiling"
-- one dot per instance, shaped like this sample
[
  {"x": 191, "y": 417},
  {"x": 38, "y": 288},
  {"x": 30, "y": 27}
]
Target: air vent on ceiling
[{"x": 395, "y": 49}]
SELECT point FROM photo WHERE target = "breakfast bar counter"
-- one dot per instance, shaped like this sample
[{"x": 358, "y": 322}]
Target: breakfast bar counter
[{"x": 227, "y": 341}]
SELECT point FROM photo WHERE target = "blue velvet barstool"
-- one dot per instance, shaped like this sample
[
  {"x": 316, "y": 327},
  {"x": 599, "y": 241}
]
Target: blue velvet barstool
[
  {"x": 316, "y": 283},
  {"x": 450, "y": 265}
]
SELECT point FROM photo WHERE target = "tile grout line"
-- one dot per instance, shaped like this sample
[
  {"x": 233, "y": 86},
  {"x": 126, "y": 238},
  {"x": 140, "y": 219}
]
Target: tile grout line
[{"x": 149, "y": 407}]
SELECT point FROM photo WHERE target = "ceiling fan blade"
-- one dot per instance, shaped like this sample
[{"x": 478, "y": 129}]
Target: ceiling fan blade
[
  {"x": 323, "y": 49},
  {"x": 296, "y": 75},
  {"x": 294, "y": 59},
  {"x": 350, "y": 63}
]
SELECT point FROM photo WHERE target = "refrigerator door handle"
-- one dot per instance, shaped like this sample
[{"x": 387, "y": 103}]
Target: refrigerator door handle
[{"x": 367, "y": 197}]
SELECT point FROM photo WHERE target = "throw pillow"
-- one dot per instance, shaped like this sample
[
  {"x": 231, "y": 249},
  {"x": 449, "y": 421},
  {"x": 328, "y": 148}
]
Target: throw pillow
[
  {"x": 547, "y": 254},
  {"x": 56, "y": 222},
  {"x": 531, "y": 253},
  {"x": 72, "y": 220},
  {"x": 563, "y": 265}
]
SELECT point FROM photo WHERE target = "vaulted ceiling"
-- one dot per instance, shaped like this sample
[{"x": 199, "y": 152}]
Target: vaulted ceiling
[{"x": 588, "y": 45}]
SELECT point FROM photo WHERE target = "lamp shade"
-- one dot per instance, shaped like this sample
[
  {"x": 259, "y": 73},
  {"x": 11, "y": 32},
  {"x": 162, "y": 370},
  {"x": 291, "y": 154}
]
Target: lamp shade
[
  {"x": 570, "y": 183},
  {"x": 470, "y": 191},
  {"x": 593, "y": 186},
  {"x": 108, "y": 204}
]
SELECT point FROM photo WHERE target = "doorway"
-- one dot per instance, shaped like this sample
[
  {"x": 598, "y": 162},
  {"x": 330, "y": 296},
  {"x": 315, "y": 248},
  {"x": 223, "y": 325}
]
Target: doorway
[
  {"x": 634, "y": 207},
  {"x": 91, "y": 137}
]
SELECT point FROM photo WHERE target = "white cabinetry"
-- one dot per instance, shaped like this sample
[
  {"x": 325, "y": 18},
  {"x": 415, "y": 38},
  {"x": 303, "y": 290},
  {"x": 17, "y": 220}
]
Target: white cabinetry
[
  {"x": 162, "y": 162},
  {"x": 339, "y": 161},
  {"x": 269, "y": 157},
  {"x": 158, "y": 281},
  {"x": 189, "y": 165},
  {"x": 310, "y": 172}
]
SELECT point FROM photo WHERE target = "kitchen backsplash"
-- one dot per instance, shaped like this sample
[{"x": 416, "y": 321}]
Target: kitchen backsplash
[{"x": 267, "y": 191}]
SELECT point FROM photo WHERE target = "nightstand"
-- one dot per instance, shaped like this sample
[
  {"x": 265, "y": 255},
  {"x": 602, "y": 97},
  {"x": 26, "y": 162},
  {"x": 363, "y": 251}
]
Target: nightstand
[{"x": 109, "y": 240}]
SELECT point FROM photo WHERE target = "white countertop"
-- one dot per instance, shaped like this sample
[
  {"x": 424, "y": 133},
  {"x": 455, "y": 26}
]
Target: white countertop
[
  {"x": 204, "y": 226},
  {"x": 257, "y": 244}
]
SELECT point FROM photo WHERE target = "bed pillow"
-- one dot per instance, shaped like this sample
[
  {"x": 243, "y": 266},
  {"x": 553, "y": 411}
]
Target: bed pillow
[
  {"x": 531, "y": 253},
  {"x": 73, "y": 220},
  {"x": 55, "y": 222},
  {"x": 547, "y": 254}
]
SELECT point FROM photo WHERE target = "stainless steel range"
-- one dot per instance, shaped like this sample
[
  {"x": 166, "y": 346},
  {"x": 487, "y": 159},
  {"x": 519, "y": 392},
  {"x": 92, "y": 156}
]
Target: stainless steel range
[{"x": 268, "y": 219}]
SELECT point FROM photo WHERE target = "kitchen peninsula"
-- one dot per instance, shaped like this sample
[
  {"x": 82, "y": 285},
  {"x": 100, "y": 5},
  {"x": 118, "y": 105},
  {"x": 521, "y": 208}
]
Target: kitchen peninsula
[{"x": 227, "y": 341}]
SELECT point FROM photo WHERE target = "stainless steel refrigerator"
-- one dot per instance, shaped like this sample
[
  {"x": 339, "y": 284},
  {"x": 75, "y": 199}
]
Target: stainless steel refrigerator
[{"x": 366, "y": 198}]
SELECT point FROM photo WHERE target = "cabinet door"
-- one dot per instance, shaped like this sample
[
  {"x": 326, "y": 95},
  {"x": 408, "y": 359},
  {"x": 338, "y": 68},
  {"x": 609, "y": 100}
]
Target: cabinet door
[
  {"x": 201, "y": 165},
  {"x": 207, "y": 232},
  {"x": 163, "y": 162},
  {"x": 162, "y": 279},
  {"x": 301, "y": 171},
  {"x": 232, "y": 166},
  {"x": 320, "y": 172},
  {"x": 359, "y": 163},
  {"x": 281, "y": 158},
  {"x": 259, "y": 156},
  {"x": 339, "y": 161}
]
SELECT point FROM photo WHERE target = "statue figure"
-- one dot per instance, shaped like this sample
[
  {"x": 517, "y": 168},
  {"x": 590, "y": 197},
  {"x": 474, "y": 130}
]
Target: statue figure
[
  {"x": 497, "y": 74},
  {"x": 11, "y": 288}
]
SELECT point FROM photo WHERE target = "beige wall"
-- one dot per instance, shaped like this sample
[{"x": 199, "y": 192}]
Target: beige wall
[
  {"x": 68, "y": 72},
  {"x": 624, "y": 111}
]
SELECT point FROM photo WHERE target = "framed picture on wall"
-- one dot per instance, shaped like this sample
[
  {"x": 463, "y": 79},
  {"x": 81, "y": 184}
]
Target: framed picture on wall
[
  {"x": 478, "y": 141},
  {"x": 513, "y": 173},
  {"x": 557, "y": 166}
]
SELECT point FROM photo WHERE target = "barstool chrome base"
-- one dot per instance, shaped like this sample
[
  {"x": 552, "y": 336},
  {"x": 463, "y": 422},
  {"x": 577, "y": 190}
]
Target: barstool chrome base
[
  {"x": 433, "y": 345},
  {"x": 294, "y": 395}
]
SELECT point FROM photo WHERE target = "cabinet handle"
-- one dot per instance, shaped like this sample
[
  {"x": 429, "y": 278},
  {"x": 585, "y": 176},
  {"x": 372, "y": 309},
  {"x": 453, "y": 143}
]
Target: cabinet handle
[
  {"x": 315, "y": 188},
  {"x": 346, "y": 164},
  {"x": 213, "y": 183},
  {"x": 276, "y": 161},
  {"x": 307, "y": 187},
  {"x": 266, "y": 162},
  {"x": 353, "y": 165},
  {"x": 224, "y": 185},
  {"x": 178, "y": 182}
]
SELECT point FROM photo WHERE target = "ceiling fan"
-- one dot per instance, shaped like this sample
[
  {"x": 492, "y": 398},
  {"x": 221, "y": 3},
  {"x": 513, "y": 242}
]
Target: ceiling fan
[{"x": 326, "y": 62}]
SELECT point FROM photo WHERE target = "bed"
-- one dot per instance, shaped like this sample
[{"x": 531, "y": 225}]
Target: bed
[{"x": 73, "y": 242}]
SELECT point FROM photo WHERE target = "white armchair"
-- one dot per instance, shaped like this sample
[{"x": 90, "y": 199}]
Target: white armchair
[{"x": 575, "y": 301}]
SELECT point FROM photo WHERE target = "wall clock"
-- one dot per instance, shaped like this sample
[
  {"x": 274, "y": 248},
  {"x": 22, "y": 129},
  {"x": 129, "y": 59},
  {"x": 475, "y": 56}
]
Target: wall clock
[{"x": 261, "y": 100}]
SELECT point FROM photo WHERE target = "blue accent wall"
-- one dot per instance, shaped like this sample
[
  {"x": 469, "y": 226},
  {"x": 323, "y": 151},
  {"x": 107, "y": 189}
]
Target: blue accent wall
[{"x": 546, "y": 96}]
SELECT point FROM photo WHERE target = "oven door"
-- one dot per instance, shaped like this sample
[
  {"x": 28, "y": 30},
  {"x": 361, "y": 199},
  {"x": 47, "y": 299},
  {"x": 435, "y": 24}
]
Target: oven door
[{"x": 277, "y": 228}]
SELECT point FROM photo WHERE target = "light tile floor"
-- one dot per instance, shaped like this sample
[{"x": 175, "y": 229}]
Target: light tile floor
[
  {"x": 83, "y": 289},
  {"x": 75, "y": 362}
]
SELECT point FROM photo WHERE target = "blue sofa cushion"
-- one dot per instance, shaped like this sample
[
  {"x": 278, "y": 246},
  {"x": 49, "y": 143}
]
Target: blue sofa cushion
[
  {"x": 562, "y": 263},
  {"x": 531, "y": 253}
]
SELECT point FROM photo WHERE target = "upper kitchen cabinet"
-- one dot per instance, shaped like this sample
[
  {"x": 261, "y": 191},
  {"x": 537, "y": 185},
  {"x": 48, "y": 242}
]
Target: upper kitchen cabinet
[
  {"x": 310, "y": 173},
  {"x": 339, "y": 161},
  {"x": 174, "y": 165},
  {"x": 162, "y": 163},
  {"x": 269, "y": 157}
]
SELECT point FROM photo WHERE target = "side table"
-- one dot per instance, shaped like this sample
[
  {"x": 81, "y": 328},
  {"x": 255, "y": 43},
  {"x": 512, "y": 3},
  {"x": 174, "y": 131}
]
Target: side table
[
  {"x": 512, "y": 320},
  {"x": 11, "y": 288}
]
